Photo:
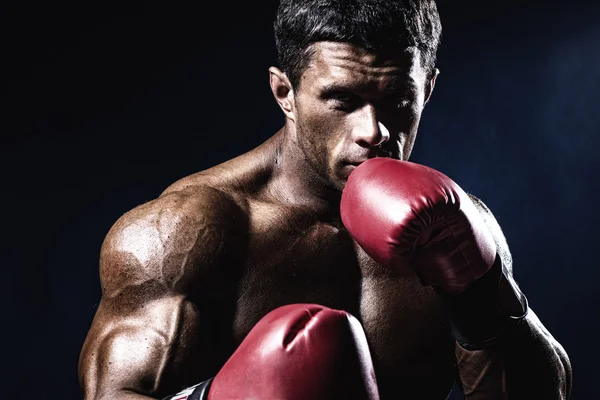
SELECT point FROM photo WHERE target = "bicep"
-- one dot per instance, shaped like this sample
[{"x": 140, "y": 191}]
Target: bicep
[{"x": 139, "y": 351}]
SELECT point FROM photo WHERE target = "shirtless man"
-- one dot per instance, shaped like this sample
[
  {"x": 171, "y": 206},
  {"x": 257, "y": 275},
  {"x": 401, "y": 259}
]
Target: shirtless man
[{"x": 293, "y": 272}]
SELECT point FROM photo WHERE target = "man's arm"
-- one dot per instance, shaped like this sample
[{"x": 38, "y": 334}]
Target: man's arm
[
  {"x": 146, "y": 340},
  {"x": 527, "y": 362}
]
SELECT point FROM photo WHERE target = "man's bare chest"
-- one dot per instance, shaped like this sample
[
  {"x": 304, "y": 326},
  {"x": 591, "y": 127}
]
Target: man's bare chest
[{"x": 403, "y": 321}]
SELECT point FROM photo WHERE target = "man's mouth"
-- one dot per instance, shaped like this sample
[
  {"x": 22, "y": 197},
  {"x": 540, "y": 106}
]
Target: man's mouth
[{"x": 355, "y": 163}]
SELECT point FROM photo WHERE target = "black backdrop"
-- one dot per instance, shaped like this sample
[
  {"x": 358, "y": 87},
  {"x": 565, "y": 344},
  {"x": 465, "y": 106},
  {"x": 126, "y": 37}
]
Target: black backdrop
[{"x": 104, "y": 105}]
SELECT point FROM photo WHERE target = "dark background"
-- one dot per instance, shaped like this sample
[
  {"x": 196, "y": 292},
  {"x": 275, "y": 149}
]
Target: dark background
[{"x": 104, "y": 105}]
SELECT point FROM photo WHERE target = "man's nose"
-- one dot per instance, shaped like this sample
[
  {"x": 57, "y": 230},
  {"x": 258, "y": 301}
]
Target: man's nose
[{"x": 367, "y": 130}]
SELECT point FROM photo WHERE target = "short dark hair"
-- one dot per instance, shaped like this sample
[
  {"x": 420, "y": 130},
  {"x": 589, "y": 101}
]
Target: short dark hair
[{"x": 375, "y": 25}]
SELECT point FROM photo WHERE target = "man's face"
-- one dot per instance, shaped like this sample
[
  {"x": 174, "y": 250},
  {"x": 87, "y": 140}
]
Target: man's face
[{"x": 352, "y": 105}]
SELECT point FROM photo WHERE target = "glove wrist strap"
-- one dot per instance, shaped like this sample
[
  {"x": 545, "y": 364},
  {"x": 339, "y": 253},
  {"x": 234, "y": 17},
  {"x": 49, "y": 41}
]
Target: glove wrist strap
[{"x": 481, "y": 313}]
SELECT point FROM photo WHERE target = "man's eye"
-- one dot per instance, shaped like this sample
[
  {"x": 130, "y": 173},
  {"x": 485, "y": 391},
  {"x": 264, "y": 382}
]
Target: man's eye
[
  {"x": 403, "y": 103},
  {"x": 345, "y": 101},
  {"x": 398, "y": 105}
]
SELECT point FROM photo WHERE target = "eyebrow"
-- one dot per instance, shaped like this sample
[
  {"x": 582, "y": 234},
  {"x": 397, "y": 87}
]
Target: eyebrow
[
  {"x": 402, "y": 85},
  {"x": 336, "y": 87},
  {"x": 395, "y": 86}
]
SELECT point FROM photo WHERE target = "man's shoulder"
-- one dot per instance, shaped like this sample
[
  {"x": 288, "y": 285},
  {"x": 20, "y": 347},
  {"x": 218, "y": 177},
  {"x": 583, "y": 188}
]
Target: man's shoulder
[
  {"x": 494, "y": 227},
  {"x": 174, "y": 238},
  {"x": 186, "y": 207},
  {"x": 486, "y": 214}
]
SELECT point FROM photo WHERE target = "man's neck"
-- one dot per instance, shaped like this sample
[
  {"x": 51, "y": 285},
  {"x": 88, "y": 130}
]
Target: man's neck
[{"x": 296, "y": 182}]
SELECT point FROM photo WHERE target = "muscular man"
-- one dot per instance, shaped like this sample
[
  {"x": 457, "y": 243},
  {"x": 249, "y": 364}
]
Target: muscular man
[{"x": 322, "y": 263}]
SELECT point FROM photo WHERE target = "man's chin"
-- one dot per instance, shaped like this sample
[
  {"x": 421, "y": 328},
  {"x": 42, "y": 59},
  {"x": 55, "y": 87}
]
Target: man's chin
[
  {"x": 339, "y": 180},
  {"x": 340, "y": 185}
]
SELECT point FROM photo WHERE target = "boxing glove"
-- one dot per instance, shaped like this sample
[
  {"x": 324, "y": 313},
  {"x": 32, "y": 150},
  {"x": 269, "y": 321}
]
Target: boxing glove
[
  {"x": 299, "y": 351},
  {"x": 406, "y": 215}
]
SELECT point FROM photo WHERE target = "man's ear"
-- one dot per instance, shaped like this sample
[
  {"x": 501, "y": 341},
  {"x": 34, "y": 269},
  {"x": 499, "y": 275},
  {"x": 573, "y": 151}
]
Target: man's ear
[
  {"x": 282, "y": 91},
  {"x": 431, "y": 84}
]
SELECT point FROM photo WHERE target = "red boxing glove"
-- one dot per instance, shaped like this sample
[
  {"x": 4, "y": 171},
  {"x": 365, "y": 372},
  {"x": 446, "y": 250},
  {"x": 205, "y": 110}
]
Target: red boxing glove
[
  {"x": 406, "y": 214},
  {"x": 300, "y": 351}
]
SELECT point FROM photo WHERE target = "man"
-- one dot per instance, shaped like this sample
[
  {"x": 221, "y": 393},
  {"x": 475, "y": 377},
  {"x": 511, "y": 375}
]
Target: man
[{"x": 322, "y": 264}]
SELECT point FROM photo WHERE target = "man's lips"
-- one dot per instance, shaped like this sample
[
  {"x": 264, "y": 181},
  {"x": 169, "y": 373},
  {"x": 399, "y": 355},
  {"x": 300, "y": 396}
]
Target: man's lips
[{"x": 355, "y": 163}]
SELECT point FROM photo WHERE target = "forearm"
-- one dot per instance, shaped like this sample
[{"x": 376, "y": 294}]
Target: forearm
[{"x": 525, "y": 363}]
